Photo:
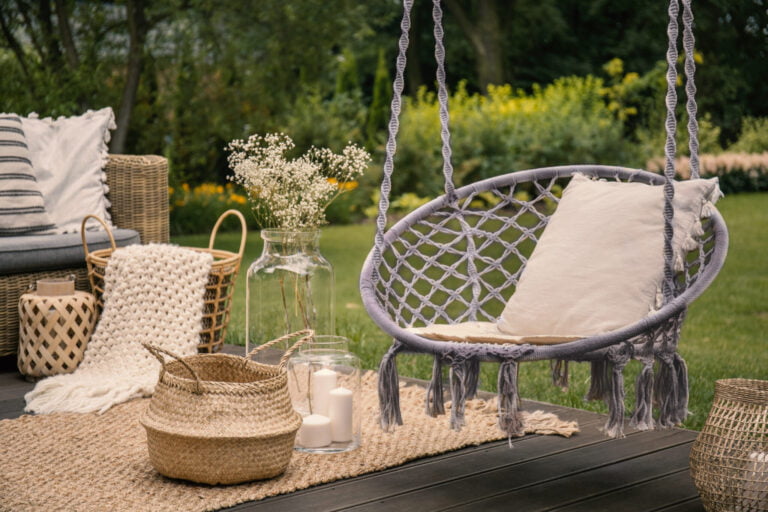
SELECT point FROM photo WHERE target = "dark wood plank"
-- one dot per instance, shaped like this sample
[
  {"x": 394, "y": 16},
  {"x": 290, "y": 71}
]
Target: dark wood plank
[
  {"x": 586, "y": 482},
  {"x": 428, "y": 472},
  {"x": 640, "y": 497},
  {"x": 693, "y": 505},
  {"x": 543, "y": 469}
]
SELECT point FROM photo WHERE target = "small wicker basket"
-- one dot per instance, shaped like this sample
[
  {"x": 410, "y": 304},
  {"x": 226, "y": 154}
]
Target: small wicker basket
[
  {"x": 222, "y": 419},
  {"x": 218, "y": 290},
  {"x": 729, "y": 459}
]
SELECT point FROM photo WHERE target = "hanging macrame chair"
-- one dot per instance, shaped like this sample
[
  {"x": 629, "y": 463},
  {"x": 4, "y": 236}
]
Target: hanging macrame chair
[{"x": 451, "y": 262}]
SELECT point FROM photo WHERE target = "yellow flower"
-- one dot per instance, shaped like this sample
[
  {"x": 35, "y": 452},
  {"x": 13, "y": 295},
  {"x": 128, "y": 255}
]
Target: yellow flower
[
  {"x": 348, "y": 185},
  {"x": 170, "y": 191},
  {"x": 185, "y": 187}
]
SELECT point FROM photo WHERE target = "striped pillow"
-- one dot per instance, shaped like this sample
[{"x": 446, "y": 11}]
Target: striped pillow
[{"x": 22, "y": 210}]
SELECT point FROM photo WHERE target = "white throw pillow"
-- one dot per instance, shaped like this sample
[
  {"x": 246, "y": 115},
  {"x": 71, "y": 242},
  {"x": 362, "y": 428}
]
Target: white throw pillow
[
  {"x": 22, "y": 208},
  {"x": 68, "y": 155},
  {"x": 599, "y": 263}
]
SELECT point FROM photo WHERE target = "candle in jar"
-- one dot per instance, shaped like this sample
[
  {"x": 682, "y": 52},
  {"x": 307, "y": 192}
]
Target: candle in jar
[
  {"x": 340, "y": 413},
  {"x": 323, "y": 381},
  {"x": 315, "y": 431}
]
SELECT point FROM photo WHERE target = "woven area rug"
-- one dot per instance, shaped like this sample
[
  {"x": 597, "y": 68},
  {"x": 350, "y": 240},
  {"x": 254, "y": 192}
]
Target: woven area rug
[{"x": 80, "y": 462}]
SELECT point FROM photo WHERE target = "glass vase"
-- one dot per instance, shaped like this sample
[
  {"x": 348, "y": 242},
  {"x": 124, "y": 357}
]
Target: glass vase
[
  {"x": 324, "y": 381},
  {"x": 289, "y": 288}
]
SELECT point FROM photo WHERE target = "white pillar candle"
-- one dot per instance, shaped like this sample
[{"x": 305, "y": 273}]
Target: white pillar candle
[
  {"x": 340, "y": 413},
  {"x": 315, "y": 431},
  {"x": 323, "y": 381}
]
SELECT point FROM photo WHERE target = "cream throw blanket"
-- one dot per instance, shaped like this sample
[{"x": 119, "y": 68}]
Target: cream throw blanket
[{"x": 152, "y": 293}]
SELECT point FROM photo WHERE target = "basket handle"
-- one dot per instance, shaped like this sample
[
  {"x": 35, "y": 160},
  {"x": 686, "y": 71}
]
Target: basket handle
[
  {"x": 307, "y": 334},
  {"x": 243, "y": 230},
  {"x": 106, "y": 228},
  {"x": 157, "y": 352}
]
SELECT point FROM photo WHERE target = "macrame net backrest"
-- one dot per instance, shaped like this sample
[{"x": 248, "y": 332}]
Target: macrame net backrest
[
  {"x": 460, "y": 260},
  {"x": 459, "y": 257}
]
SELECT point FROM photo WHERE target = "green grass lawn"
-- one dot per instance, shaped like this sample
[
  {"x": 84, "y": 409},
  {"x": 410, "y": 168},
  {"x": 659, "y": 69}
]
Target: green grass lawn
[{"x": 725, "y": 334}]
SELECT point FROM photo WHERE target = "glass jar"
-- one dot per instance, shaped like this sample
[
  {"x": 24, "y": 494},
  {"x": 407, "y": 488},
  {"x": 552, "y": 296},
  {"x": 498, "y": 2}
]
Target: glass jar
[
  {"x": 289, "y": 288},
  {"x": 324, "y": 381}
]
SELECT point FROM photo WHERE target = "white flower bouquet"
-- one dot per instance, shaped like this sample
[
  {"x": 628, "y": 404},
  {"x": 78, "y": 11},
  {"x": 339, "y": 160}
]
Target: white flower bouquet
[{"x": 291, "y": 194}]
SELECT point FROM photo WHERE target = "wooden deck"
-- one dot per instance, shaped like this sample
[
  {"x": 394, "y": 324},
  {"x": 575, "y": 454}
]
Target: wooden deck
[{"x": 645, "y": 471}]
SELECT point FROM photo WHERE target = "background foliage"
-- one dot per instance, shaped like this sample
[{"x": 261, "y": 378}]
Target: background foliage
[{"x": 572, "y": 81}]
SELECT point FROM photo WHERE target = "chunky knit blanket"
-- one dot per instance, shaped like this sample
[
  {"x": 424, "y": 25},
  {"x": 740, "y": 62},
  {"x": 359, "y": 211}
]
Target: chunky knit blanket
[{"x": 152, "y": 293}]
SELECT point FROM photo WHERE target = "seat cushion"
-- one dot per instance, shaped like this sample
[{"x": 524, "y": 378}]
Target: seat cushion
[{"x": 35, "y": 253}]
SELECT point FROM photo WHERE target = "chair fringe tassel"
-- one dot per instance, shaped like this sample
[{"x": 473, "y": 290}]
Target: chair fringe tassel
[
  {"x": 642, "y": 418},
  {"x": 389, "y": 389},
  {"x": 672, "y": 390},
  {"x": 560, "y": 374},
  {"x": 459, "y": 393},
  {"x": 435, "y": 401},
  {"x": 510, "y": 418},
  {"x": 599, "y": 381}
]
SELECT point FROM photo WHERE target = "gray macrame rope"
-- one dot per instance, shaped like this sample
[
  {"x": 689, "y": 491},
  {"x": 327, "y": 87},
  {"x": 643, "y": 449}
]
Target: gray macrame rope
[
  {"x": 690, "y": 88},
  {"x": 394, "y": 127},
  {"x": 669, "y": 151},
  {"x": 442, "y": 98}
]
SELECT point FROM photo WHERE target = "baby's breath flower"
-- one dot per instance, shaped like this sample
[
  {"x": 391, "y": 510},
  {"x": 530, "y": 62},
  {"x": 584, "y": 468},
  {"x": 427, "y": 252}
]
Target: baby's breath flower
[{"x": 293, "y": 193}]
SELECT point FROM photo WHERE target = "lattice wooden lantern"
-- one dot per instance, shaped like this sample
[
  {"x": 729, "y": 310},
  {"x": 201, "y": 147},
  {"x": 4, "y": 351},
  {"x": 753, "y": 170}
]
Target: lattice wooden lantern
[{"x": 55, "y": 324}]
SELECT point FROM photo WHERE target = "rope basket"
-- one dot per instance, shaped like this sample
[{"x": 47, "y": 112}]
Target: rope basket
[
  {"x": 729, "y": 459},
  {"x": 222, "y": 419},
  {"x": 218, "y": 290}
]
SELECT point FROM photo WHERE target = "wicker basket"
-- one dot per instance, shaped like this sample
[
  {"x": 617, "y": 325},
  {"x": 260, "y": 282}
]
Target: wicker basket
[
  {"x": 222, "y": 419},
  {"x": 729, "y": 459},
  {"x": 218, "y": 291}
]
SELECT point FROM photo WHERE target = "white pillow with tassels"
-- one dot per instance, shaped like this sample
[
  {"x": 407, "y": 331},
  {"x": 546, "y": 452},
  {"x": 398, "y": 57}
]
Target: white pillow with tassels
[
  {"x": 599, "y": 263},
  {"x": 68, "y": 157}
]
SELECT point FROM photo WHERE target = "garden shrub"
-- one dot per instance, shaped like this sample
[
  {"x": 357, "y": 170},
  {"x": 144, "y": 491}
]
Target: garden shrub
[
  {"x": 565, "y": 122},
  {"x": 754, "y": 136},
  {"x": 196, "y": 209}
]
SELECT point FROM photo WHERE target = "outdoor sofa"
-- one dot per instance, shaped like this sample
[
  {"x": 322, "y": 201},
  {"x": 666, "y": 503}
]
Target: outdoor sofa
[{"x": 138, "y": 191}]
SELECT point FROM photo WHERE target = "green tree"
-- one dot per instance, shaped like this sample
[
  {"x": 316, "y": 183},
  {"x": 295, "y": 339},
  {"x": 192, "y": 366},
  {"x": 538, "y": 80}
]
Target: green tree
[{"x": 378, "y": 112}]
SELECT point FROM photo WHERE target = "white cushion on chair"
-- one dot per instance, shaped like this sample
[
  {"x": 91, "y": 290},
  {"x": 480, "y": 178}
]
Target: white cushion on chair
[
  {"x": 68, "y": 156},
  {"x": 599, "y": 263}
]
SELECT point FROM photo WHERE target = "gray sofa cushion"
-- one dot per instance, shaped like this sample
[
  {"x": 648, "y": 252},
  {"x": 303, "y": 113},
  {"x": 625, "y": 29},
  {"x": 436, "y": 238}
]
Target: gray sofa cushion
[{"x": 35, "y": 253}]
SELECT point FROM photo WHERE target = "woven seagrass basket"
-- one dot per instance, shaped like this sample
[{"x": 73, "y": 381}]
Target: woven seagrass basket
[
  {"x": 218, "y": 290},
  {"x": 729, "y": 459},
  {"x": 222, "y": 419}
]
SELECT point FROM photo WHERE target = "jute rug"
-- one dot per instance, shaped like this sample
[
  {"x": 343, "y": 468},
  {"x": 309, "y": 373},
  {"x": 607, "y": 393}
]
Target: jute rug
[{"x": 83, "y": 462}]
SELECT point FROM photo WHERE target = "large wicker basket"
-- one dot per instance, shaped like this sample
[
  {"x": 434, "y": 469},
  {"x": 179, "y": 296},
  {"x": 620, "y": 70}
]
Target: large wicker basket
[
  {"x": 218, "y": 290},
  {"x": 729, "y": 459},
  {"x": 222, "y": 419}
]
